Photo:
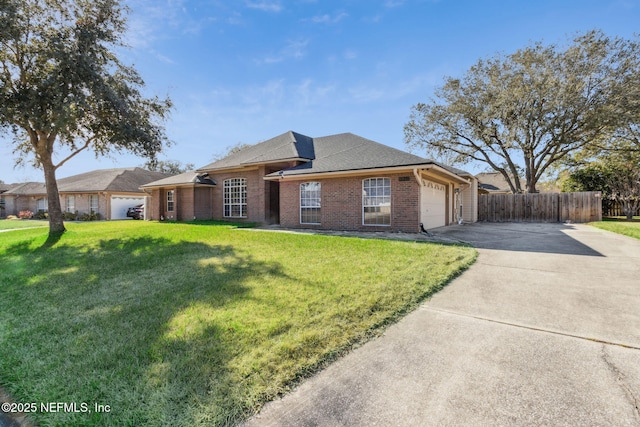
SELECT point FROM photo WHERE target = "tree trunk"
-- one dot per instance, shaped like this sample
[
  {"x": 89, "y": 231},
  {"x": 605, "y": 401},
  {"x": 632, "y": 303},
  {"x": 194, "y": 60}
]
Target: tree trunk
[{"x": 56, "y": 225}]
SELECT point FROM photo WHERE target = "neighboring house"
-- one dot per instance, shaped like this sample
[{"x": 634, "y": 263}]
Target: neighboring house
[
  {"x": 338, "y": 182},
  {"x": 108, "y": 192},
  {"x": 492, "y": 183},
  {"x": 3, "y": 189}
]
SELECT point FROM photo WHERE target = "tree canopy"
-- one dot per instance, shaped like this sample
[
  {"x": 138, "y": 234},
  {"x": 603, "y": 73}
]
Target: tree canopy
[
  {"x": 64, "y": 90},
  {"x": 525, "y": 112},
  {"x": 173, "y": 167}
]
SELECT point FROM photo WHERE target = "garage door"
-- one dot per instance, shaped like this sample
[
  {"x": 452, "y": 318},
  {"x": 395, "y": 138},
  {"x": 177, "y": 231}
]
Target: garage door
[
  {"x": 120, "y": 204},
  {"x": 433, "y": 199}
]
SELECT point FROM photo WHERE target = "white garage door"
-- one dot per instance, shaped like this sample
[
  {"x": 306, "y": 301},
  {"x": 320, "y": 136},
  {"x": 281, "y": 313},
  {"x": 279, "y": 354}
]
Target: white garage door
[
  {"x": 433, "y": 199},
  {"x": 120, "y": 204}
]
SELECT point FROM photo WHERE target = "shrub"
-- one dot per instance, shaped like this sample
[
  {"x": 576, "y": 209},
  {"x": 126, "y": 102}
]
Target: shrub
[
  {"x": 25, "y": 214},
  {"x": 70, "y": 216},
  {"x": 41, "y": 215},
  {"x": 93, "y": 216}
]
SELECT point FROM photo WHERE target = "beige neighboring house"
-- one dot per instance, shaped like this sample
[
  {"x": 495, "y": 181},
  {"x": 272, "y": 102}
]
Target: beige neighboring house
[
  {"x": 3, "y": 189},
  {"x": 108, "y": 192}
]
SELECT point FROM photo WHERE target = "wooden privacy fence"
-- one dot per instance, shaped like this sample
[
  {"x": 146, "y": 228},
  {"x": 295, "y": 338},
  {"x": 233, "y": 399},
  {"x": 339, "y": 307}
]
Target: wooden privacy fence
[
  {"x": 613, "y": 208},
  {"x": 540, "y": 207}
]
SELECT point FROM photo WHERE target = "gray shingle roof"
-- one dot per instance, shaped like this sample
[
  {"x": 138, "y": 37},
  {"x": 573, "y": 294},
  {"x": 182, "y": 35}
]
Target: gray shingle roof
[
  {"x": 346, "y": 151},
  {"x": 334, "y": 153},
  {"x": 182, "y": 179},
  {"x": 289, "y": 145},
  {"x": 113, "y": 180},
  {"x": 7, "y": 187},
  {"x": 118, "y": 179},
  {"x": 28, "y": 188}
]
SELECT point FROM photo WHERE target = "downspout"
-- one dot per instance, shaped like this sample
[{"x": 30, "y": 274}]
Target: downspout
[
  {"x": 418, "y": 178},
  {"x": 461, "y": 188}
]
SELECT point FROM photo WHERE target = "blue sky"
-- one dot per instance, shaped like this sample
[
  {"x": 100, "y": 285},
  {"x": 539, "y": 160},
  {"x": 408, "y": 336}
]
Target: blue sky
[{"x": 248, "y": 70}]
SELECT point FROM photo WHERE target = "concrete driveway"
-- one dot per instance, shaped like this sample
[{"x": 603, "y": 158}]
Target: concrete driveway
[{"x": 543, "y": 330}]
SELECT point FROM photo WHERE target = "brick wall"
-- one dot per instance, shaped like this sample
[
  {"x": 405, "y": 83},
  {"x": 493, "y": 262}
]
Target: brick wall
[
  {"x": 255, "y": 195},
  {"x": 341, "y": 204},
  {"x": 203, "y": 202},
  {"x": 154, "y": 208},
  {"x": 185, "y": 208}
]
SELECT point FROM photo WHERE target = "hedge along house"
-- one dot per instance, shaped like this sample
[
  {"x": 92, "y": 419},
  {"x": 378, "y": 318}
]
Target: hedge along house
[
  {"x": 107, "y": 192},
  {"x": 338, "y": 182}
]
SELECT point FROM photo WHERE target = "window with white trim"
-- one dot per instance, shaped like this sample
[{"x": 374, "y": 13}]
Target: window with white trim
[
  {"x": 376, "y": 201},
  {"x": 93, "y": 203},
  {"x": 170, "y": 199},
  {"x": 235, "y": 198},
  {"x": 71, "y": 204},
  {"x": 310, "y": 203},
  {"x": 42, "y": 204}
]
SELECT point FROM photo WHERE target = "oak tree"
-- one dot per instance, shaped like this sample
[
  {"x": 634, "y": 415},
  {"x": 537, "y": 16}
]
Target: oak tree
[
  {"x": 525, "y": 112},
  {"x": 64, "y": 90}
]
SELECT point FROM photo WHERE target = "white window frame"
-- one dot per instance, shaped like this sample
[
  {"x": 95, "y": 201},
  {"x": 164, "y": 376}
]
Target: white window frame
[
  {"x": 93, "y": 203},
  {"x": 379, "y": 198},
  {"x": 171, "y": 200},
  {"x": 234, "y": 198},
  {"x": 70, "y": 203},
  {"x": 42, "y": 204},
  {"x": 310, "y": 200}
]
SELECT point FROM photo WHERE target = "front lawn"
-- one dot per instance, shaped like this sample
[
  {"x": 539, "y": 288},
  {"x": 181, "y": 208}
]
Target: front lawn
[
  {"x": 8, "y": 224},
  {"x": 631, "y": 229},
  {"x": 193, "y": 324}
]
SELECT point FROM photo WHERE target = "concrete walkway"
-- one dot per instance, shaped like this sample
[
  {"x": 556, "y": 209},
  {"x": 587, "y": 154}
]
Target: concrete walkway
[{"x": 543, "y": 330}]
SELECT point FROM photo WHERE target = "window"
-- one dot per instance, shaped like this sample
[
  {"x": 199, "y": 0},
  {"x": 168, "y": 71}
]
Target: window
[
  {"x": 71, "y": 204},
  {"x": 376, "y": 201},
  {"x": 93, "y": 203},
  {"x": 170, "y": 200},
  {"x": 42, "y": 205},
  {"x": 310, "y": 203},
  {"x": 235, "y": 198}
]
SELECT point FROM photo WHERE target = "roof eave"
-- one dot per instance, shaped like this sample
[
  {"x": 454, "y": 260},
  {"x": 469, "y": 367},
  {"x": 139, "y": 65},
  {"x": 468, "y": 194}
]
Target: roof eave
[{"x": 252, "y": 164}]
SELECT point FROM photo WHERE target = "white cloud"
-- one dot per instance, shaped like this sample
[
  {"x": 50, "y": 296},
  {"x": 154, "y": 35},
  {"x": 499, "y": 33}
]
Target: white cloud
[
  {"x": 264, "y": 5},
  {"x": 393, "y": 3},
  {"x": 161, "y": 57},
  {"x": 328, "y": 19},
  {"x": 350, "y": 54},
  {"x": 294, "y": 49}
]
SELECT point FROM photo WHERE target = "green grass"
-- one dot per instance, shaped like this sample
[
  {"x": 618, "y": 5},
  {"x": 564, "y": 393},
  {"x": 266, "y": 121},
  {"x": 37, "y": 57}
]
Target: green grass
[
  {"x": 7, "y": 224},
  {"x": 193, "y": 324},
  {"x": 631, "y": 229}
]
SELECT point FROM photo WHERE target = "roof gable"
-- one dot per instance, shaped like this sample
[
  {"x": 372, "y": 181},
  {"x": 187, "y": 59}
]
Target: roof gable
[{"x": 289, "y": 145}]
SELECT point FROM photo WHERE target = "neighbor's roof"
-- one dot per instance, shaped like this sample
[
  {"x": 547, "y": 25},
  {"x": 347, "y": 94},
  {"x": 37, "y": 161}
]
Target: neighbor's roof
[
  {"x": 28, "y": 188},
  {"x": 7, "y": 187},
  {"x": 182, "y": 179},
  {"x": 493, "y": 182},
  {"x": 127, "y": 180}
]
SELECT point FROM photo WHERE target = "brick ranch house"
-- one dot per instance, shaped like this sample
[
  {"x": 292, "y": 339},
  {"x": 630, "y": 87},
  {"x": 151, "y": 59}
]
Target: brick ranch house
[
  {"x": 337, "y": 182},
  {"x": 108, "y": 192}
]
